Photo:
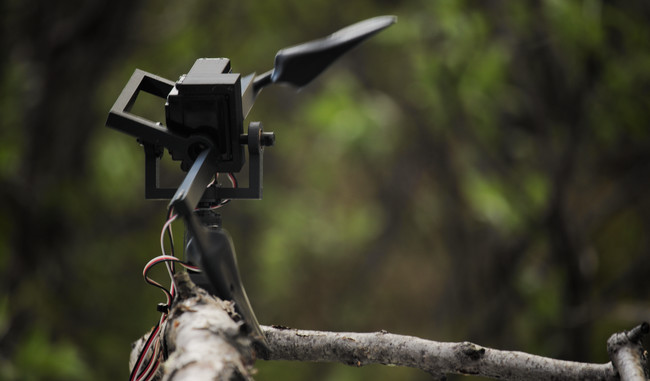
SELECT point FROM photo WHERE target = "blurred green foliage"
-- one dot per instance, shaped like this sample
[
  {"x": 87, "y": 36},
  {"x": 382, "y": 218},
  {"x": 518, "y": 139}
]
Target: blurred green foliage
[{"x": 478, "y": 171}]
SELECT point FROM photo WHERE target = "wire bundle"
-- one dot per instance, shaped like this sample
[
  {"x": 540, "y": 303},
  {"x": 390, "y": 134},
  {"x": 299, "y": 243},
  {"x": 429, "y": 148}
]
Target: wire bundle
[{"x": 149, "y": 359}]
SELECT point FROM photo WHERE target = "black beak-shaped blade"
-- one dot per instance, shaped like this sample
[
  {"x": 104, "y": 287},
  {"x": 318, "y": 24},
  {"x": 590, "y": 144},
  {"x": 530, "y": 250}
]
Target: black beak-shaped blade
[
  {"x": 298, "y": 65},
  {"x": 213, "y": 251}
]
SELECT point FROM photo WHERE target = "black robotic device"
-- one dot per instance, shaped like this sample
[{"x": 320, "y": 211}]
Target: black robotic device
[{"x": 205, "y": 112}]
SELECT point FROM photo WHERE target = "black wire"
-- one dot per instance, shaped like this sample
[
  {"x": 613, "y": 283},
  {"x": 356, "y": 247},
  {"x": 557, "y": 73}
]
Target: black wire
[
  {"x": 236, "y": 183},
  {"x": 165, "y": 290},
  {"x": 171, "y": 237},
  {"x": 171, "y": 241},
  {"x": 140, "y": 360}
]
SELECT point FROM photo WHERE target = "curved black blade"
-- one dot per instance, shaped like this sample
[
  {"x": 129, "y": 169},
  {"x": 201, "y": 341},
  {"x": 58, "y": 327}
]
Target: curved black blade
[
  {"x": 298, "y": 65},
  {"x": 213, "y": 251}
]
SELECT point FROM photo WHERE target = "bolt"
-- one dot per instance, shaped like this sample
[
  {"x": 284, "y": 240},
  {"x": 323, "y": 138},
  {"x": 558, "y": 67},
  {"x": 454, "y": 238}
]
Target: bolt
[{"x": 267, "y": 139}]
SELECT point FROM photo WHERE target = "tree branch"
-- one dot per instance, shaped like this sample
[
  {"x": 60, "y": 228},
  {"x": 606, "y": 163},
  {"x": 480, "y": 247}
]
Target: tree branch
[
  {"x": 627, "y": 353},
  {"x": 203, "y": 338},
  {"x": 205, "y": 342},
  {"x": 436, "y": 358}
]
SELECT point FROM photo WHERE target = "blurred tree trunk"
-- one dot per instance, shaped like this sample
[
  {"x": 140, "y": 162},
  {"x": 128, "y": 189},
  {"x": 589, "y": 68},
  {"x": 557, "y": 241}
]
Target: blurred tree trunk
[{"x": 57, "y": 52}]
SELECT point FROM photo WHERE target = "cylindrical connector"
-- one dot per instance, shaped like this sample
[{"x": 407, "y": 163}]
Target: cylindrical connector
[{"x": 267, "y": 139}]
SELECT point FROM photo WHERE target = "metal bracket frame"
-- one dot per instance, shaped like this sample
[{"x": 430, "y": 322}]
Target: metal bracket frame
[{"x": 154, "y": 136}]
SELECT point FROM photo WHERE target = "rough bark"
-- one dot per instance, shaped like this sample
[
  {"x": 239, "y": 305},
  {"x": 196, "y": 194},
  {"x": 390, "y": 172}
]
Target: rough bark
[
  {"x": 436, "y": 358},
  {"x": 627, "y": 353},
  {"x": 202, "y": 338},
  {"x": 204, "y": 341}
]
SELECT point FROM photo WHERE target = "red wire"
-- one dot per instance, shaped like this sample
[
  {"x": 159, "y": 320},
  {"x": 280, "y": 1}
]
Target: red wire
[
  {"x": 154, "y": 362},
  {"x": 233, "y": 180},
  {"x": 134, "y": 372}
]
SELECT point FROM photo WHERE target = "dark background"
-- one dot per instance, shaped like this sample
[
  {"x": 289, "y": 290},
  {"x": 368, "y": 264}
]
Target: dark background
[{"x": 479, "y": 171}]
